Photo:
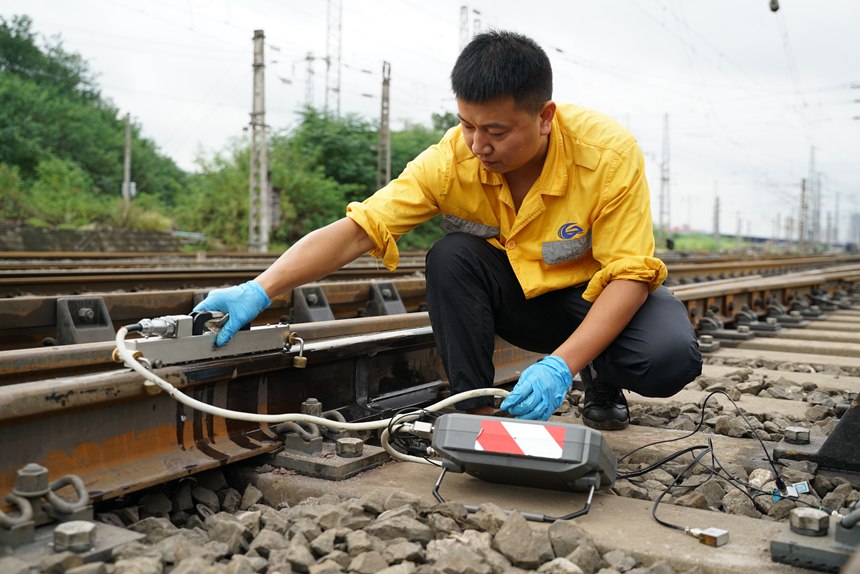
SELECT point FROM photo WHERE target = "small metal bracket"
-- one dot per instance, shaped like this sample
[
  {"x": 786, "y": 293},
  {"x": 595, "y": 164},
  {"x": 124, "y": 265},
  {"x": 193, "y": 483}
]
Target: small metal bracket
[
  {"x": 747, "y": 317},
  {"x": 712, "y": 325},
  {"x": 707, "y": 344},
  {"x": 838, "y": 452},
  {"x": 807, "y": 311},
  {"x": 310, "y": 305},
  {"x": 384, "y": 300},
  {"x": 38, "y": 503},
  {"x": 301, "y": 437},
  {"x": 825, "y": 303},
  {"x": 83, "y": 320},
  {"x": 827, "y": 553},
  {"x": 328, "y": 465},
  {"x": 777, "y": 311}
]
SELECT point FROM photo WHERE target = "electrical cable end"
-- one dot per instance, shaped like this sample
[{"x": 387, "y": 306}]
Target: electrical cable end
[
  {"x": 780, "y": 484},
  {"x": 710, "y": 536},
  {"x": 422, "y": 429},
  {"x": 134, "y": 328}
]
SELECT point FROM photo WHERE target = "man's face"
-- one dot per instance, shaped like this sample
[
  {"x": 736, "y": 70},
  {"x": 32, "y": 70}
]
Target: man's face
[{"x": 504, "y": 137}]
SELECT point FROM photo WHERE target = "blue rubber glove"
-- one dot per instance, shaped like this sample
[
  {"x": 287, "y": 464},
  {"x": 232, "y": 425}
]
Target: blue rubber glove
[
  {"x": 540, "y": 390},
  {"x": 242, "y": 302}
]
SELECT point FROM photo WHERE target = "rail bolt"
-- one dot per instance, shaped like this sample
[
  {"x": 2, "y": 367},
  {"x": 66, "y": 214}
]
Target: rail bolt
[
  {"x": 797, "y": 435},
  {"x": 809, "y": 521},
  {"x": 706, "y": 339},
  {"x": 32, "y": 481},
  {"x": 349, "y": 447},
  {"x": 743, "y": 328},
  {"x": 86, "y": 315},
  {"x": 75, "y": 536},
  {"x": 771, "y": 321},
  {"x": 311, "y": 406}
]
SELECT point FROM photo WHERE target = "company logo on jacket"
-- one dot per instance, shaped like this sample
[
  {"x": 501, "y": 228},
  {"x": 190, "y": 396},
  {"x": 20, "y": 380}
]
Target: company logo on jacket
[{"x": 569, "y": 231}]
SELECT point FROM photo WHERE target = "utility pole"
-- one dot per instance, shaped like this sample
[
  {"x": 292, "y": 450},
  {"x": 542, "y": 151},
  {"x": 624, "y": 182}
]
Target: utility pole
[
  {"x": 664, "y": 185},
  {"x": 738, "y": 232},
  {"x": 464, "y": 26},
  {"x": 836, "y": 221},
  {"x": 126, "y": 166},
  {"x": 813, "y": 199},
  {"x": 465, "y": 37},
  {"x": 332, "y": 60},
  {"x": 309, "y": 80},
  {"x": 716, "y": 219},
  {"x": 383, "y": 149},
  {"x": 801, "y": 221},
  {"x": 259, "y": 198}
]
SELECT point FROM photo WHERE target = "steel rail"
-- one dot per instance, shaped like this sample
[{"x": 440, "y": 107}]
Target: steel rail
[
  {"x": 31, "y": 320},
  {"x": 107, "y": 429},
  {"x": 166, "y": 273}
]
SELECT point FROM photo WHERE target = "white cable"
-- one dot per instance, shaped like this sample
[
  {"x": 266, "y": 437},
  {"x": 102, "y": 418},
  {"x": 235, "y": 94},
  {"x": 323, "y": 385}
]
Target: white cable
[{"x": 130, "y": 361}]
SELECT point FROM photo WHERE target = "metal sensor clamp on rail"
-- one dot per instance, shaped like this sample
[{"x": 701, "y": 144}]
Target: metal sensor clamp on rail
[
  {"x": 177, "y": 339},
  {"x": 553, "y": 455}
]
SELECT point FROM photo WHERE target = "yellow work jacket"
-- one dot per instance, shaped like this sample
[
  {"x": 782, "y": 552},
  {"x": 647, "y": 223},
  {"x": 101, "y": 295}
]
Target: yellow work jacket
[{"x": 587, "y": 218}]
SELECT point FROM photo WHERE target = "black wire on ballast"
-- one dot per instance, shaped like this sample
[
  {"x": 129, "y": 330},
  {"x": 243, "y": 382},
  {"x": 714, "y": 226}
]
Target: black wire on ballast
[
  {"x": 134, "y": 328},
  {"x": 695, "y": 460},
  {"x": 780, "y": 483}
]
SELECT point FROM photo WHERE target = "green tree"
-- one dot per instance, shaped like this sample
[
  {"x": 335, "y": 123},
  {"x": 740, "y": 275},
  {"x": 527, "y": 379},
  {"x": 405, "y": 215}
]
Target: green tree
[
  {"x": 11, "y": 193},
  {"x": 62, "y": 195},
  {"x": 344, "y": 147},
  {"x": 20, "y": 55},
  {"x": 444, "y": 121},
  {"x": 52, "y": 110},
  {"x": 217, "y": 200}
]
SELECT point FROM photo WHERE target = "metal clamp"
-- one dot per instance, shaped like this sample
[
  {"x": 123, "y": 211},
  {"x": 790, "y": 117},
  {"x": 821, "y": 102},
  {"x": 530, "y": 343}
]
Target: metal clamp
[
  {"x": 299, "y": 361},
  {"x": 38, "y": 503}
]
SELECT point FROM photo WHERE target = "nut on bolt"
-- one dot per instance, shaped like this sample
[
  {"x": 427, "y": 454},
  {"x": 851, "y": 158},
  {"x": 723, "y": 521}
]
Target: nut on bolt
[
  {"x": 809, "y": 521},
  {"x": 32, "y": 481},
  {"x": 311, "y": 406},
  {"x": 797, "y": 435},
  {"x": 349, "y": 447},
  {"x": 75, "y": 536}
]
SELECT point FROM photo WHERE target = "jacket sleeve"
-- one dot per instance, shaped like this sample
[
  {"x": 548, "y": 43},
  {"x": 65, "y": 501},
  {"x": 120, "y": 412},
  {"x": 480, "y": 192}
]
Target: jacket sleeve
[
  {"x": 622, "y": 233},
  {"x": 403, "y": 204}
]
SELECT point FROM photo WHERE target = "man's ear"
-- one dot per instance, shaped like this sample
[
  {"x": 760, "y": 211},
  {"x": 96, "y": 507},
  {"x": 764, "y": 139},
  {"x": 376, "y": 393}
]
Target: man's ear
[{"x": 546, "y": 115}]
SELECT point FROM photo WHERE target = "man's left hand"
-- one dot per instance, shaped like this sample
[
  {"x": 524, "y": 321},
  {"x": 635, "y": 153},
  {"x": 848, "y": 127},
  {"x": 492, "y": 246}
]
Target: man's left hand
[{"x": 540, "y": 390}]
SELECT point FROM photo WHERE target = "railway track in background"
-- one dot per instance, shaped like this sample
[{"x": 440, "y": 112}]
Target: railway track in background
[
  {"x": 65, "y": 275},
  {"x": 75, "y": 411},
  {"x": 32, "y": 320}
]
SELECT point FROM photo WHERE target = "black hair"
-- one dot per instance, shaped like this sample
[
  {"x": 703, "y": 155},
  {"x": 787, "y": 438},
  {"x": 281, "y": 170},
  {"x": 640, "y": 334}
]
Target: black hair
[{"x": 498, "y": 63}]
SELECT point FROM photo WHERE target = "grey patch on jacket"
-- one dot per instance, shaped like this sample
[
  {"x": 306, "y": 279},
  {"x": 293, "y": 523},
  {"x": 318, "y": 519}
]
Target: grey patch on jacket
[
  {"x": 454, "y": 224},
  {"x": 555, "y": 252}
]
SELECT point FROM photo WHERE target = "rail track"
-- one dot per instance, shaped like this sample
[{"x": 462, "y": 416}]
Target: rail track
[
  {"x": 62, "y": 274},
  {"x": 75, "y": 411}
]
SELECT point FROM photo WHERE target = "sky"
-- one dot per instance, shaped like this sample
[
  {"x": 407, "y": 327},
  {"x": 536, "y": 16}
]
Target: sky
[{"x": 755, "y": 100}]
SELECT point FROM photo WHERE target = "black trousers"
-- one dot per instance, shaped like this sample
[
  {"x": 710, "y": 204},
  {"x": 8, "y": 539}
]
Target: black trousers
[{"x": 473, "y": 295}]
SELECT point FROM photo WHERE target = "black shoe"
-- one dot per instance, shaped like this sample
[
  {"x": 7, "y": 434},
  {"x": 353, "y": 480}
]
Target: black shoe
[{"x": 605, "y": 407}]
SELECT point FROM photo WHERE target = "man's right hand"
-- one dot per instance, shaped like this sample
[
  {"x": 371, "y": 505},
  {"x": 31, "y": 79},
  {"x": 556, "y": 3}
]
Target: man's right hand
[{"x": 242, "y": 302}]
